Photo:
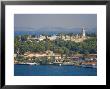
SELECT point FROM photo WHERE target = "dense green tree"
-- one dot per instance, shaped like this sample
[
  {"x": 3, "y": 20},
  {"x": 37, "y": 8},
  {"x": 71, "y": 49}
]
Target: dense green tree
[{"x": 57, "y": 46}]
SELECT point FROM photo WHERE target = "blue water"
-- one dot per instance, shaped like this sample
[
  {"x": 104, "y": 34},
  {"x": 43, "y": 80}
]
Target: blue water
[
  {"x": 17, "y": 33},
  {"x": 22, "y": 31},
  {"x": 52, "y": 70}
]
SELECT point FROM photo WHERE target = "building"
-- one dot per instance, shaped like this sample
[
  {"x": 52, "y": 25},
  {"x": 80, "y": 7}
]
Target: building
[
  {"x": 76, "y": 38},
  {"x": 15, "y": 55},
  {"x": 49, "y": 54},
  {"x": 54, "y": 37},
  {"x": 83, "y": 32},
  {"x": 41, "y": 38}
]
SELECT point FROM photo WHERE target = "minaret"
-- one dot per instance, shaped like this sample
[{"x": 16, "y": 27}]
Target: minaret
[{"x": 83, "y": 32}]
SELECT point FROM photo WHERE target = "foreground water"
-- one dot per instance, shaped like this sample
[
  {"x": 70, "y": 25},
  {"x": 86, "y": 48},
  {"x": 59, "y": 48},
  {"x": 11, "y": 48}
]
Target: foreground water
[{"x": 53, "y": 70}]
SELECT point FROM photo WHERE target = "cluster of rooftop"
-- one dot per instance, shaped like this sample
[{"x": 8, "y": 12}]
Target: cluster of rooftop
[{"x": 76, "y": 38}]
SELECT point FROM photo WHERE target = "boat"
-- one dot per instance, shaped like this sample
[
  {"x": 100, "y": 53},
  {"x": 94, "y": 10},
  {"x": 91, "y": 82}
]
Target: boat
[
  {"x": 50, "y": 63},
  {"x": 32, "y": 63},
  {"x": 57, "y": 63},
  {"x": 67, "y": 63},
  {"x": 60, "y": 64},
  {"x": 94, "y": 65}
]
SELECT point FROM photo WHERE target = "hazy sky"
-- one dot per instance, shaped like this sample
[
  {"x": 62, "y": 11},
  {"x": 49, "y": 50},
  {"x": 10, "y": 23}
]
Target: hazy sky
[{"x": 55, "y": 20}]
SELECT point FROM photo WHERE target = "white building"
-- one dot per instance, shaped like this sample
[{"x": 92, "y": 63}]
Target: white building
[
  {"x": 41, "y": 38},
  {"x": 83, "y": 32},
  {"x": 54, "y": 37}
]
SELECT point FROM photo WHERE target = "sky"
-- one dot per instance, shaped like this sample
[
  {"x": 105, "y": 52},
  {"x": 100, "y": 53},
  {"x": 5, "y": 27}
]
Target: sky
[{"x": 38, "y": 21}]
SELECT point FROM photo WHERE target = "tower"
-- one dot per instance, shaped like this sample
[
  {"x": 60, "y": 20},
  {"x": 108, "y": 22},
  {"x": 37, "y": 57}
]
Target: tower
[{"x": 83, "y": 32}]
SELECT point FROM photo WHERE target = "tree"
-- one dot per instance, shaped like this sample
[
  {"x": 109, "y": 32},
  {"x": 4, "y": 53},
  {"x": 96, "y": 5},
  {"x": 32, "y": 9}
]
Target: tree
[{"x": 24, "y": 37}]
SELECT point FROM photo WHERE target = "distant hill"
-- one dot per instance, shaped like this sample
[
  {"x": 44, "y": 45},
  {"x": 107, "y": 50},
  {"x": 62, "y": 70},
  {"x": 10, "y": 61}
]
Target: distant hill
[{"x": 54, "y": 30}]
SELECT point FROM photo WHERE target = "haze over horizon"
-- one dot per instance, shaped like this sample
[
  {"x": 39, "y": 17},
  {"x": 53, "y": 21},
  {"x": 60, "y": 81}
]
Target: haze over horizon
[{"x": 54, "y": 22}]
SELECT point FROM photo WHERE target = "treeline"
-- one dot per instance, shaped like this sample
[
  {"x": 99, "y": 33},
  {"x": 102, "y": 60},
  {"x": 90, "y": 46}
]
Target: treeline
[
  {"x": 91, "y": 34},
  {"x": 22, "y": 45}
]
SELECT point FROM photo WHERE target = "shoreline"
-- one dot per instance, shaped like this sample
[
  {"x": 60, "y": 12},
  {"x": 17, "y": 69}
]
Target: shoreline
[{"x": 84, "y": 66}]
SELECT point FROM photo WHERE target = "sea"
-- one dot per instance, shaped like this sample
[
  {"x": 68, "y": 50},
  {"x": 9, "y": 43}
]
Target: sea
[
  {"x": 17, "y": 33},
  {"x": 53, "y": 70},
  {"x": 51, "y": 32}
]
